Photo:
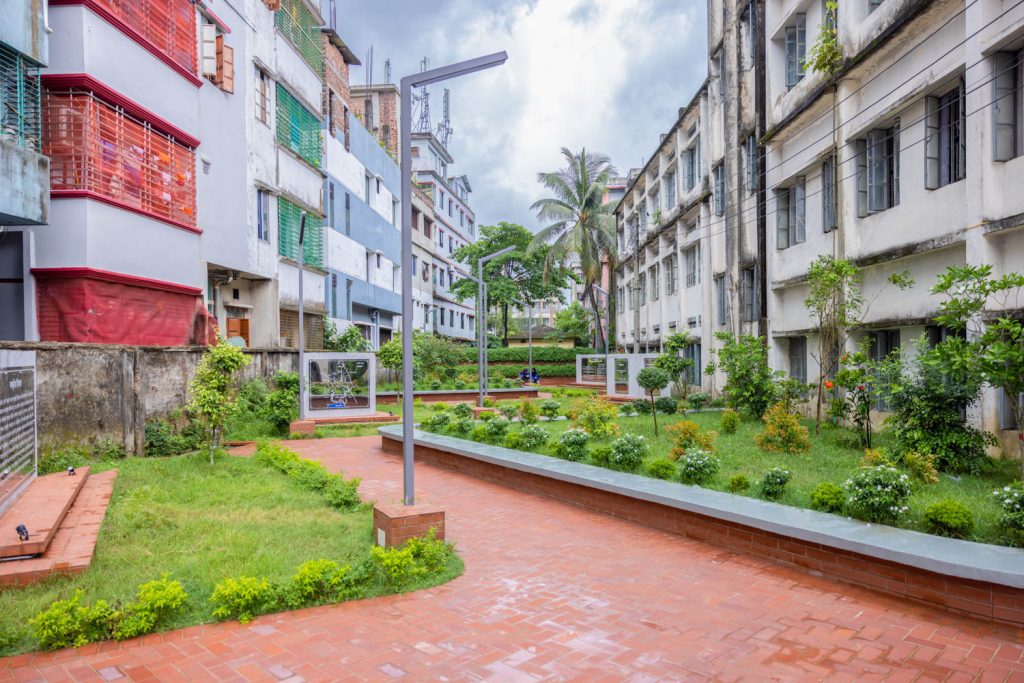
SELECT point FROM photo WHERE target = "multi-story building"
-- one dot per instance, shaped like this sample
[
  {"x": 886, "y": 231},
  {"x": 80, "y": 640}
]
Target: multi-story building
[{"x": 24, "y": 170}]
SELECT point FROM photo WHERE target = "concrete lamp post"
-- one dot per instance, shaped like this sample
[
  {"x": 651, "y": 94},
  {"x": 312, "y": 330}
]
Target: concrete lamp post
[
  {"x": 481, "y": 317},
  {"x": 384, "y": 536},
  {"x": 302, "y": 350}
]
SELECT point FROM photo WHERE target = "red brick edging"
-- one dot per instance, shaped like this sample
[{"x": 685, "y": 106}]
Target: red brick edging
[{"x": 984, "y": 600}]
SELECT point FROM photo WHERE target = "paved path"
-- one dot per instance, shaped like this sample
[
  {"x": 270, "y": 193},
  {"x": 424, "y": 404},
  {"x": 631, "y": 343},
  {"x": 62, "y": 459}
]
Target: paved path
[{"x": 553, "y": 592}]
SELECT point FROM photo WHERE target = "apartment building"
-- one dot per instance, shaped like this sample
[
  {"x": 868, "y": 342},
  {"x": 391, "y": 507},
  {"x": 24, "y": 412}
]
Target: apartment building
[
  {"x": 24, "y": 170},
  {"x": 910, "y": 161}
]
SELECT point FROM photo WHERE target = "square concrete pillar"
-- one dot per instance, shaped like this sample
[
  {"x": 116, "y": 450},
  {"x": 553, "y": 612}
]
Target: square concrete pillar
[
  {"x": 302, "y": 427},
  {"x": 394, "y": 523}
]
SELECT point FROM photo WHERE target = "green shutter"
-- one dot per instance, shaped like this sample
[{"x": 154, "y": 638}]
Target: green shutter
[
  {"x": 288, "y": 218},
  {"x": 299, "y": 25},
  {"x": 298, "y": 129}
]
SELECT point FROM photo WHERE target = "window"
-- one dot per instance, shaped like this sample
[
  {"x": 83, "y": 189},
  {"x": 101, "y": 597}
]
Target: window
[
  {"x": 289, "y": 215},
  {"x": 427, "y": 228},
  {"x": 670, "y": 190},
  {"x": 692, "y": 256},
  {"x": 720, "y": 64},
  {"x": 348, "y": 214},
  {"x": 689, "y": 170},
  {"x": 751, "y": 163},
  {"x": 693, "y": 373},
  {"x": 622, "y": 296},
  {"x": 719, "y": 173},
  {"x": 671, "y": 268},
  {"x": 798, "y": 359},
  {"x": 791, "y": 215},
  {"x": 720, "y": 298},
  {"x": 796, "y": 48},
  {"x": 883, "y": 344},
  {"x": 829, "y": 203},
  {"x": 334, "y": 295},
  {"x": 218, "y": 58},
  {"x": 748, "y": 294},
  {"x": 263, "y": 215},
  {"x": 654, "y": 282},
  {"x": 643, "y": 289},
  {"x": 262, "y": 96},
  {"x": 394, "y": 212},
  {"x": 878, "y": 170},
  {"x": 874, "y": 4},
  {"x": 944, "y": 144},
  {"x": 750, "y": 23},
  {"x": 378, "y": 185},
  {"x": 1007, "y": 105}
]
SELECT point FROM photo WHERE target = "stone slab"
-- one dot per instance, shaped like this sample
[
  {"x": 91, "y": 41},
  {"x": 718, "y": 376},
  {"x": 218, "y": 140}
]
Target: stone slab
[{"x": 41, "y": 508}]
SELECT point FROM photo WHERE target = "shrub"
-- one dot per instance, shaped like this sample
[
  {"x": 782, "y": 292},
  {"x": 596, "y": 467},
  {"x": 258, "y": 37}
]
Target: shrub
[
  {"x": 496, "y": 429},
  {"x": 341, "y": 493},
  {"x": 739, "y": 482},
  {"x": 243, "y": 598},
  {"x": 828, "y": 497},
  {"x": 309, "y": 474},
  {"x": 159, "y": 438},
  {"x": 662, "y": 468},
  {"x": 641, "y": 407},
  {"x": 628, "y": 410},
  {"x": 436, "y": 423},
  {"x": 61, "y": 460},
  {"x": 429, "y": 552},
  {"x": 1011, "y": 500},
  {"x": 697, "y": 466},
  {"x": 479, "y": 433},
  {"x": 533, "y": 437},
  {"x": 550, "y": 408},
  {"x": 774, "y": 481},
  {"x": 514, "y": 440},
  {"x": 750, "y": 385},
  {"x": 783, "y": 432},
  {"x": 68, "y": 623},
  {"x": 698, "y": 400},
  {"x": 921, "y": 467},
  {"x": 653, "y": 379},
  {"x": 283, "y": 408},
  {"x": 597, "y": 417},
  {"x": 439, "y": 406},
  {"x": 730, "y": 422},
  {"x": 628, "y": 452},
  {"x": 461, "y": 427},
  {"x": 397, "y": 567},
  {"x": 489, "y": 402},
  {"x": 878, "y": 494},
  {"x": 873, "y": 457},
  {"x": 686, "y": 435},
  {"x": 949, "y": 518},
  {"x": 486, "y": 415},
  {"x": 434, "y": 385},
  {"x": 508, "y": 410},
  {"x": 601, "y": 456},
  {"x": 666, "y": 405},
  {"x": 572, "y": 444},
  {"x": 154, "y": 601},
  {"x": 319, "y": 581},
  {"x": 529, "y": 413}
]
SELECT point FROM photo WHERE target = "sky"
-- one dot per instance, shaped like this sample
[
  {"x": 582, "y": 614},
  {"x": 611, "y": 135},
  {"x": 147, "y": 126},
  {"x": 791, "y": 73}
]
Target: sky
[{"x": 608, "y": 75}]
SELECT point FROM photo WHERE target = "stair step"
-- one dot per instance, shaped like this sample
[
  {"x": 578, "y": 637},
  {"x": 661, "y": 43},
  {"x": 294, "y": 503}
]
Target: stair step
[
  {"x": 72, "y": 547},
  {"x": 41, "y": 508}
]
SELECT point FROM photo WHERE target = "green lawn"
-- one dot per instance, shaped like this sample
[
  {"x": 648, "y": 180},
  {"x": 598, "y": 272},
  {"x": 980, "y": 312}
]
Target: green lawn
[
  {"x": 834, "y": 457},
  {"x": 199, "y": 524}
]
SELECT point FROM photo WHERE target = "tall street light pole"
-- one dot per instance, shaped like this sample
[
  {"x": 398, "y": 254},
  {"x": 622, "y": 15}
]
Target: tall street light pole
[
  {"x": 482, "y": 319},
  {"x": 302, "y": 355},
  {"x": 407, "y": 84},
  {"x": 598, "y": 321}
]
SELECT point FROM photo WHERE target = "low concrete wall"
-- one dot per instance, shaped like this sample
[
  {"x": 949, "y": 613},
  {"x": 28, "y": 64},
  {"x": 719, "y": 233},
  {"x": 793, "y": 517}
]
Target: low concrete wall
[
  {"x": 464, "y": 395},
  {"x": 91, "y": 392}
]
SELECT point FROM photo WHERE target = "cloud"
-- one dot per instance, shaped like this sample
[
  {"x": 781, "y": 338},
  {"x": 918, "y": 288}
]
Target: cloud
[{"x": 609, "y": 75}]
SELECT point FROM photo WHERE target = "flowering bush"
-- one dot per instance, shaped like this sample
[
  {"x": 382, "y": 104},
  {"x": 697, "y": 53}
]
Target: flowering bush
[
  {"x": 774, "y": 481},
  {"x": 461, "y": 427},
  {"x": 628, "y": 452},
  {"x": 686, "y": 435},
  {"x": 462, "y": 410},
  {"x": 1011, "y": 499},
  {"x": 533, "y": 437},
  {"x": 508, "y": 410},
  {"x": 549, "y": 408},
  {"x": 572, "y": 444},
  {"x": 496, "y": 428},
  {"x": 597, "y": 417},
  {"x": 436, "y": 423},
  {"x": 878, "y": 494},
  {"x": 697, "y": 466}
]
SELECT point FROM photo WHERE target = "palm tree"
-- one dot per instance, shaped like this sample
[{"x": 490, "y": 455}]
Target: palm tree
[{"x": 582, "y": 225}]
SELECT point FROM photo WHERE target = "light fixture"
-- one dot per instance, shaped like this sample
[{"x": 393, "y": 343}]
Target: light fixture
[{"x": 22, "y": 532}]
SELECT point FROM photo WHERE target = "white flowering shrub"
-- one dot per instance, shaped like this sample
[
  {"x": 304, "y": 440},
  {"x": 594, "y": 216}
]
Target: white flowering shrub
[
  {"x": 1011, "y": 499},
  {"x": 533, "y": 437},
  {"x": 774, "y": 481},
  {"x": 572, "y": 444},
  {"x": 878, "y": 494},
  {"x": 628, "y": 452},
  {"x": 698, "y": 466}
]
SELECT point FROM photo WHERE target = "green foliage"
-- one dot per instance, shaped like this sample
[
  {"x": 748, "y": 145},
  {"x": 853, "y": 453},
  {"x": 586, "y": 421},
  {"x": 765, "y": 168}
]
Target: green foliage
[
  {"x": 212, "y": 388},
  {"x": 687, "y": 436},
  {"x": 155, "y": 601},
  {"x": 437, "y": 422},
  {"x": 878, "y": 494},
  {"x": 739, "y": 482},
  {"x": 550, "y": 408},
  {"x": 479, "y": 434},
  {"x": 282, "y": 407},
  {"x": 653, "y": 379},
  {"x": 596, "y": 416},
  {"x": 533, "y": 437},
  {"x": 921, "y": 467},
  {"x": 666, "y": 405},
  {"x": 572, "y": 322},
  {"x": 320, "y": 581},
  {"x": 461, "y": 427},
  {"x": 440, "y": 407},
  {"x": 825, "y": 55},
  {"x": 508, "y": 410},
  {"x": 750, "y": 384},
  {"x": 462, "y": 410},
  {"x": 389, "y": 355},
  {"x": 496, "y": 429},
  {"x": 161, "y": 438},
  {"x": 601, "y": 456},
  {"x": 697, "y": 466},
  {"x": 339, "y": 492},
  {"x": 774, "y": 481},
  {"x": 529, "y": 413},
  {"x": 672, "y": 362},
  {"x": 857, "y": 378},
  {"x": 61, "y": 459},
  {"x": 729, "y": 422},
  {"x": 244, "y": 598},
  {"x": 783, "y": 432},
  {"x": 628, "y": 452},
  {"x": 1011, "y": 500},
  {"x": 572, "y": 445},
  {"x": 641, "y": 407},
  {"x": 514, "y": 440},
  {"x": 949, "y": 518},
  {"x": 349, "y": 341},
  {"x": 698, "y": 400},
  {"x": 662, "y": 468},
  {"x": 828, "y": 497}
]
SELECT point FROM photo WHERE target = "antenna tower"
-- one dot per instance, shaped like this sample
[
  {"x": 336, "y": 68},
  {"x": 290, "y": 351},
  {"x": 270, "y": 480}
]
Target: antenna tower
[
  {"x": 444, "y": 129},
  {"x": 423, "y": 125}
]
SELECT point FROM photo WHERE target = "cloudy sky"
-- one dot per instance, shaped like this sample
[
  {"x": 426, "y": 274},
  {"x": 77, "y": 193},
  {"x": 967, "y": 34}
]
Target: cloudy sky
[{"x": 609, "y": 75}]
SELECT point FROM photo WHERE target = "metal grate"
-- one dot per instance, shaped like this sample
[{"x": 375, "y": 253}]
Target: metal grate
[
  {"x": 17, "y": 423},
  {"x": 298, "y": 129},
  {"x": 168, "y": 25},
  {"x": 19, "y": 100},
  {"x": 96, "y": 147},
  {"x": 313, "y": 333},
  {"x": 289, "y": 216},
  {"x": 302, "y": 29}
]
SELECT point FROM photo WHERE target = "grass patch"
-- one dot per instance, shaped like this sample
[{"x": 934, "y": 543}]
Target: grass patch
[{"x": 199, "y": 524}]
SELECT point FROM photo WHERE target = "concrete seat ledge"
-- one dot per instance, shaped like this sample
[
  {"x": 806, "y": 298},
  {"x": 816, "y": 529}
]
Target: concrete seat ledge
[{"x": 983, "y": 562}]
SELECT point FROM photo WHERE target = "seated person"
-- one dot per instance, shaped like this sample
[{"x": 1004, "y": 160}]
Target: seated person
[
  {"x": 524, "y": 375},
  {"x": 534, "y": 377}
]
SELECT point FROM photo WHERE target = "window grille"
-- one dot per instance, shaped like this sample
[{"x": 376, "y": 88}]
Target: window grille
[
  {"x": 20, "y": 111},
  {"x": 299, "y": 25},
  {"x": 289, "y": 216},
  {"x": 298, "y": 129},
  {"x": 168, "y": 25}
]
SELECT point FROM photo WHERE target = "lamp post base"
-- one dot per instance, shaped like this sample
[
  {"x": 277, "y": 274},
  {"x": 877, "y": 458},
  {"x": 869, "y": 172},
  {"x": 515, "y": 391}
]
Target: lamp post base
[{"x": 394, "y": 523}]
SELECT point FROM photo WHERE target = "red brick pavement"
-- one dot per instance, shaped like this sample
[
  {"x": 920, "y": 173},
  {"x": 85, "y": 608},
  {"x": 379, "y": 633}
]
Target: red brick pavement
[{"x": 554, "y": 592}]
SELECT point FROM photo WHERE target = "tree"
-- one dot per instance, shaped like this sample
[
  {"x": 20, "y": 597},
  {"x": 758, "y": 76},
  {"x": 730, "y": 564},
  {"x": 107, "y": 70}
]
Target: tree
[
  {"x": 572, "y": 322},
  {"x": 433, "y": 356},
  {"x": 750, "y": 384},
  {"x": 978, "y": 305},
  {"x": 213, "y": 388},
  {"x": 653, "y": 380},
  {"x": 673, "y": 363},
  {"x": 349, "y": 341},
  {"x": 582, "y": 225},
  {"x": 517, "y": 276}
]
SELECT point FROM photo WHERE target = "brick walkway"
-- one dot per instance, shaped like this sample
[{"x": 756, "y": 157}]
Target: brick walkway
[{"x": 553, "y": 592}]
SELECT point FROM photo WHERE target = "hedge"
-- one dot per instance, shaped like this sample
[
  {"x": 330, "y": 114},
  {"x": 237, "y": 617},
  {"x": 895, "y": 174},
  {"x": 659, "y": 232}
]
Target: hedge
[
  {"x": 521, "y": 354},
  {"x": 512, "y": 371}
]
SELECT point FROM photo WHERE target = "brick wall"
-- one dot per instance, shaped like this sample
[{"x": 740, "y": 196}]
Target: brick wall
[
  {"x": 975, "y": 598},
  {"x": 336, "y": 93},
  {"x": 383, "y": 100}
]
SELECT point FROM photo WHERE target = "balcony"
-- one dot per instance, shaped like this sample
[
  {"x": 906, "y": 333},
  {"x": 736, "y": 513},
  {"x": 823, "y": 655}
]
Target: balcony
[{"x": 166, "y": 27}]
